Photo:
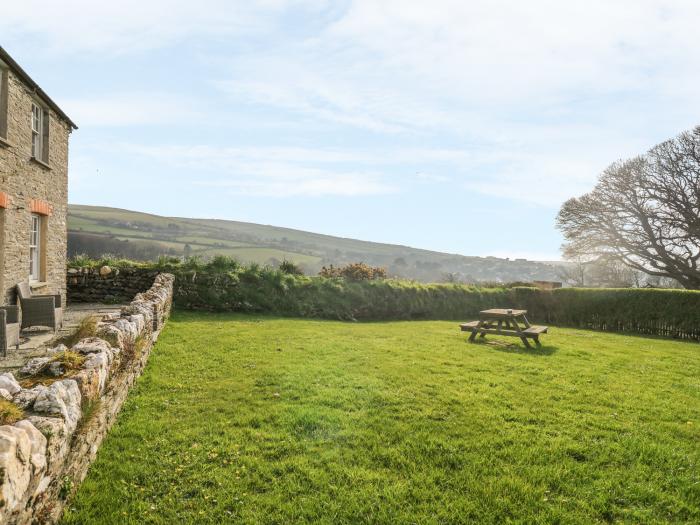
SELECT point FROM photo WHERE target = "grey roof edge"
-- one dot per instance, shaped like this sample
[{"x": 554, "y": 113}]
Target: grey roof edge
[{"x": 17, "y": 69}]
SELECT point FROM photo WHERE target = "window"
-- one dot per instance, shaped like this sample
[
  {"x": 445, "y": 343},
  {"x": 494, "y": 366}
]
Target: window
[
  {"x": 3, "y": 101},
  {"x": 35, "y": 249},
  {"x": 40, "y": 133},
  {"x": 37, "y": 131}
]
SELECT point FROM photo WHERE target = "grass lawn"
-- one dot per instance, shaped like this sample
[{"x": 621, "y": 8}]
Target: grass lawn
[{"x": 266, "y": 420}]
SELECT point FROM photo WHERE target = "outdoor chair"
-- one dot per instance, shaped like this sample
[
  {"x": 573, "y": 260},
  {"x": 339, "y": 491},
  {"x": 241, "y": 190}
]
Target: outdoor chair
[
  {"x": 39, "y": 310},
  {"x": 9, "y": 328}
]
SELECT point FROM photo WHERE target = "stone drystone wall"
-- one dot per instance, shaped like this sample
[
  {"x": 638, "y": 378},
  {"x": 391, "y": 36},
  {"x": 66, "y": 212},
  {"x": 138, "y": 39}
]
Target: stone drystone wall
[
  {"x": 29, "y": 186},
  {"x": 107, "y": 284},
  {"x": 46, "y": 455}
]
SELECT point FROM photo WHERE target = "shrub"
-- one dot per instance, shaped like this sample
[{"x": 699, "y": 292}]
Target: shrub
[
  {"x": 290, "y": 268},
  {"x": 114, "y": 260},
  {"x": 193, "y": 263},
  {"x": 222, "y": 264},
  {"x": 354, "y": 272},
  {"x": 80, "y": 260},
  {"x": 165, "y": 261}
]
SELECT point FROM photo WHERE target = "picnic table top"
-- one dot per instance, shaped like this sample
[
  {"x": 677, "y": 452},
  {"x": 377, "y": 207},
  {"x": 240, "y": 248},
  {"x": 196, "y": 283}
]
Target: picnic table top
[{"x": 502, "y": 312}]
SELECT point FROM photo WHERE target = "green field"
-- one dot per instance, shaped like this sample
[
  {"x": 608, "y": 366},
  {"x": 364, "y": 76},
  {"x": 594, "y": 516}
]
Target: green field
[
  {"x": 169, "y": 236},
  {"x": 266, "y": 420},
  {"x": 95, "y": 230}
]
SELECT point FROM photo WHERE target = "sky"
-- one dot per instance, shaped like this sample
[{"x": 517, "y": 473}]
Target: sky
[{"x": 454, "y": 125}]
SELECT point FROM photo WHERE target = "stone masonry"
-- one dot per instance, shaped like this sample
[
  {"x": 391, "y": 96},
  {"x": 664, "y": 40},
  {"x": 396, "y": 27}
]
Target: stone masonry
[
  {"x": 45, "y": 456},
  {"x": 30, "y": 186},
  {"x": 107, "y": 285}
]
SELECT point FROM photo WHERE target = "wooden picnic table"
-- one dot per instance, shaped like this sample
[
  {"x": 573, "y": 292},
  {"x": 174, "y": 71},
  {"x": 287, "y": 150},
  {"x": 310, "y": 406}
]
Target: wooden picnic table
[{"x": 504, "y": 321}]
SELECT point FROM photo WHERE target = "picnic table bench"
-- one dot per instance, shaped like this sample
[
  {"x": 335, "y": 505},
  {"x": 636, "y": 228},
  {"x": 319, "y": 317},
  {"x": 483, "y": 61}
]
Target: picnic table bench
[{"x": 502, "y": 321}]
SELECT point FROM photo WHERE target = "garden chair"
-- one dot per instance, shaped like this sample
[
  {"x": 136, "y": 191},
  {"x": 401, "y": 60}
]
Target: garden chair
[
  {"x": 39, "y": 310},
  {"x": 9, "y": 328}
]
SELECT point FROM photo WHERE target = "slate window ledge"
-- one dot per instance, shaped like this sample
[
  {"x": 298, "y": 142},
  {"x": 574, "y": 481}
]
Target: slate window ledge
[{"x": 40, "y": 163}]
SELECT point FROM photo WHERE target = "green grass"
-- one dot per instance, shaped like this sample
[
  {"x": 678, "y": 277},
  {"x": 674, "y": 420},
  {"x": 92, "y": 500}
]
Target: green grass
[{"x": 265, "y": 420}]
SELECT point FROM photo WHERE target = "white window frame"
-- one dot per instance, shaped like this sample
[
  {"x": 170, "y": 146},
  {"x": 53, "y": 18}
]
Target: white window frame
[
  {"x": 35, "y": 248},
  {"x": 37, "y": 132}
]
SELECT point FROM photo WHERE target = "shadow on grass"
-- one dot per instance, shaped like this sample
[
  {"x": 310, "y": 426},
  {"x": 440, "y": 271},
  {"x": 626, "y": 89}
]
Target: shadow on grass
[{"x": 515, "y": 348}]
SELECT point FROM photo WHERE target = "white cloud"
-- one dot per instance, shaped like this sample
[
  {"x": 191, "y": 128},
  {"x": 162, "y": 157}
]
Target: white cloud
[
  {"x": 131, "y": 109},
  {"x": 222, "y": 157},
  {"x": 515, "y": 173},
  {"x": 528, "y": 100},
  {"x": 504, "y": 51},
  {"x": 543, "y": 94},
  {"x": 544, "y": 180},
  {"x": 126, "y": 26},
  {"x": 400, "y": 64},
  {"x": 273, "y": 172},
  {"x": 283, "y": 181},
  {"x": 432, "y": 177}
]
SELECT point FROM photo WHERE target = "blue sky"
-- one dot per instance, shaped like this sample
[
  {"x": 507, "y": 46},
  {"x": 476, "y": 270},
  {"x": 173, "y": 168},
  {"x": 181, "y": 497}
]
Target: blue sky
[{"x": 451, "y": 125}]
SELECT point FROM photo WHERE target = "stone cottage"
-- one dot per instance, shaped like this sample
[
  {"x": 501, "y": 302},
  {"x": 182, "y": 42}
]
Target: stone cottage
[{"x": 34, "y": 134}]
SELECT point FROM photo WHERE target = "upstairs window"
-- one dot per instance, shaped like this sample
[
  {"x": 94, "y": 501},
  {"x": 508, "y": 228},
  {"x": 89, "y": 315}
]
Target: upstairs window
[
  {"x": 37, "y": 132},
  {"x": 3, "y": 101},
  {"x": 40, "y": 133}
]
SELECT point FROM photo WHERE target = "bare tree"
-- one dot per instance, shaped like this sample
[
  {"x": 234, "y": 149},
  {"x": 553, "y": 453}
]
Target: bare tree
[
  {"x": 450, "y": 277},
  {"x": 573, "y": 274},
  {"x": 644, "y": 212},
  {"x": 606, "y": 273}
]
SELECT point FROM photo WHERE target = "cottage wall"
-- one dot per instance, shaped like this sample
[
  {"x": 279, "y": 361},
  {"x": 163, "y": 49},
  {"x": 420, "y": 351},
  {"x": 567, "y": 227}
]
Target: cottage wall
[{"x": 28, "y": 186}]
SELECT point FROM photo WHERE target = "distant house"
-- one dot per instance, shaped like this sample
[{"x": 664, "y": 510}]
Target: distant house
[
  {"x": 34, "y": 134},
  {"x": 547, "y": 285}
]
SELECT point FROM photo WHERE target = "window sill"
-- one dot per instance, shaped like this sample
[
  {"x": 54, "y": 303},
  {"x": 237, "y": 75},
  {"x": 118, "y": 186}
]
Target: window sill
[
  {"x": 4, "y": 143},
  {"x": 40, "y": 163},
  {"x": 35, "y": 285}
]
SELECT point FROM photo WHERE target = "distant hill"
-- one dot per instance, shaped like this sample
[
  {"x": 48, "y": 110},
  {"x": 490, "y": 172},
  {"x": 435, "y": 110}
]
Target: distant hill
[{"x": 95, "y": 230}]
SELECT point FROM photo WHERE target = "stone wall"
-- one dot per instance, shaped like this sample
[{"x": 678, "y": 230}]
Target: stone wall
[
  {"x": 107, "y": 284},
  {"x": 28, "y": 186},
  {"x": 45, "y": 456}
]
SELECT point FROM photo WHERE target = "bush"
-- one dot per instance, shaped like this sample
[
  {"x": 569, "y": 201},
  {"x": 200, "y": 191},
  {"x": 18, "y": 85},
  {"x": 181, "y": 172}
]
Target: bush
[
  {"x": 80, "y": 260},
  {"x": 354, "y": 272},
  {"x": 290, "y": 268},
  {"x": 223, "y": 264},
  {"x": 166, "y": 261}
]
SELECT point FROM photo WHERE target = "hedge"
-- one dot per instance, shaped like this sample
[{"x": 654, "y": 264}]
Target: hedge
[
  {"x": 674, "y": 313},
  {"x": 225, "y": 285},
  {"x": 333, "y": 298}
]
